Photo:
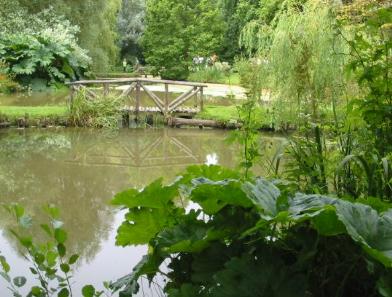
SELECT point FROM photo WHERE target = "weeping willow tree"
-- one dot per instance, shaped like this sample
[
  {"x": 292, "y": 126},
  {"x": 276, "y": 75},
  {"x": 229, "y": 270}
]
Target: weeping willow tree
[{"x": 304, "y": 57}]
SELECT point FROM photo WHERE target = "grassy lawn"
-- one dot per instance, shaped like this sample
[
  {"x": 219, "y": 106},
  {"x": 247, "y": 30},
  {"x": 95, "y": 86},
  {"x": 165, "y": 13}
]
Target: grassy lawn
[
  {"x": 213, "y": 76},
  {"x": 233, "y": 79},
  {"x": 219, "y": 113},
  {"x": 227, "y": 113},
  {"x": 33, "y": 112}
]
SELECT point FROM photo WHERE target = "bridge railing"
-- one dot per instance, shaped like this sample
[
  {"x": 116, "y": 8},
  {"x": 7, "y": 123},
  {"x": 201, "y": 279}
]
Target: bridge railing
[{"x": 164, "y": 105}]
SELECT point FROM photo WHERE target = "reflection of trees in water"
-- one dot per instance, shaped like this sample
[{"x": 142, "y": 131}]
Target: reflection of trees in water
[
  {"x": 33, "y": 164},
  {"x": 79, "y": 170}
]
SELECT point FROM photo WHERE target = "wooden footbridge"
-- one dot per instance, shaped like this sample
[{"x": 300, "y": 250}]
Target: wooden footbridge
[{"x": 132, "y": 88}]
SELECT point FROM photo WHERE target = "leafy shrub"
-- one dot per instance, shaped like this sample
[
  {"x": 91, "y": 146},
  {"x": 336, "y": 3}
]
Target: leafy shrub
[
  {"x": 370, "y": 41},
  {"x": 213, "y": 234},
  {"x": 49, "y": 261},
  {"x": 218, "y": 73},
  {"x": 208, "y": 74},
  {"x": 7, "y": 85},
  {"x": 46, "y": 48}
]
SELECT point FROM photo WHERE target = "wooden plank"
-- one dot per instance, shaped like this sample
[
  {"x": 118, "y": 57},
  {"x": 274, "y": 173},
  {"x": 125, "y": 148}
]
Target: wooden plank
[
  {"x": 102, "y": 81},
  {"x": 128, "y": 91},
  {"x": 184, "y": 99},
  {"x": 142, "y": 80},
  {"x": 72, "y": 95},
  {"x": 154, "y": 97},
  {"x": 155, "y": 109},
  {"x": 179, "y": 98},
  {"x": 173, "y": 82},
  {"x": 197, "y": 99},
  {"x": 106, "y": 89},
  {"x": 89, "y": 94}
]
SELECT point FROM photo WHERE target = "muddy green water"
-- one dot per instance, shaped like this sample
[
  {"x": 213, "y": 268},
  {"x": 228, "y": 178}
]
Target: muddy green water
[{"x": 79, "y": 171}]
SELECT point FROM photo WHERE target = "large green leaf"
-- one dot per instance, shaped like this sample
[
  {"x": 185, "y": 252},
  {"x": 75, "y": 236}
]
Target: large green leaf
[
  {"x": 370, "y": 229},
  {"x": 215, "y": 195},
  {"x": 213, "y": 172},
  {"x": 188, "y": 235},
  {"x": 153, "y": 196},
  {"x": 150, "y": 211},
  {"x": 125, "y": 198},
  {"x": 303, "y": 206},
  {"x": 363, "y": 223},
  {"x": 128, "y": 284},
  {"x": 327, "y": 223},
  {"x": 264, "y": 195},
  {"x": 141, "y": 225},
  {"x": 25, "y": 66},
  {"x": 254, "y": 276}
]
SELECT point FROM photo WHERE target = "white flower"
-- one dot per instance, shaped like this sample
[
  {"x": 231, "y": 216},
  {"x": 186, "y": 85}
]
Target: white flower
[{"x": 211, "y": 159}]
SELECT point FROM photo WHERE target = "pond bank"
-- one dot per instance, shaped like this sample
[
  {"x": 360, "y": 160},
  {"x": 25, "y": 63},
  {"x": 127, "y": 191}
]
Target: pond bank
[
  {"x": 28, "y": 116},
  {"x": 221, "y": 117},
  {"x": 42, "y": 116}
]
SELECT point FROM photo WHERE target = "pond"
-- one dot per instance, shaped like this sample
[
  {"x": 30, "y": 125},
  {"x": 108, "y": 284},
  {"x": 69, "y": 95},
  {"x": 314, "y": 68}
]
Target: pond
[{"x": 80, "y": 170}]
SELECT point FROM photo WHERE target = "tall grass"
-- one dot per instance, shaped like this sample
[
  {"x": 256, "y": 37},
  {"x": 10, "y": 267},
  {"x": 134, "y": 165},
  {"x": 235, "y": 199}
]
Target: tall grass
[{"x": 102, "y": 112}]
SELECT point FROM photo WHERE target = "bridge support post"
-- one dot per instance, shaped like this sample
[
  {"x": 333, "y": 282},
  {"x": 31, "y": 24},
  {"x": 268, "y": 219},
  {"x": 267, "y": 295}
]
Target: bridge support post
[
  {"x": 72, "y": 96},
  {"x": 166, "y": 100},
  {"x": 137, "y": 103},
  {"x": 201, "y": 99},
  {"x": 196, "y": 97},
  {"x": 125, "y": 119},
  {"x": 105, "y": 89}
]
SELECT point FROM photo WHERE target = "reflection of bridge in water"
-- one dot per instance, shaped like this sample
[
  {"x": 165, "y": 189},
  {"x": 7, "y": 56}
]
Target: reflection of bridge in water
[{"x": 155, "y": 150}]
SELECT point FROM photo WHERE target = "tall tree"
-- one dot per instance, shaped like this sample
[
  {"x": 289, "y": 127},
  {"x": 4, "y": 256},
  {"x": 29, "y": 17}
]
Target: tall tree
[
  {"x": 237, "y": 13},
  {"x": 131, "y": 26},
  {"x": 177, "y": 31}
]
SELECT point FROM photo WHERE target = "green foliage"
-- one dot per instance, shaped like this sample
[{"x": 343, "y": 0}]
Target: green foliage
[
  {"x": 46, "y": 48},
  {"x": 236, "y": 13},
  {"x": 208, "y": 74},
  {"x": 178, "y": 31},
  {"x": 131, "y": 25},
  {"x": 50, "y": 266},
  {"x": 100, "y": 112},
  {"x": 7, "y": 85},
  {"x": 49, "y": 262},
  {"x": 286, "y": 244},
  {"x": 254, "y": 81},
  {"x": 303, "y": 59},
  {"x": 96, "y": 19},
  {"x": 307, "y": 158},
  {"x": 370, "y": 44}
]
